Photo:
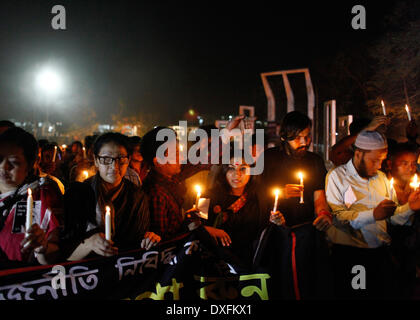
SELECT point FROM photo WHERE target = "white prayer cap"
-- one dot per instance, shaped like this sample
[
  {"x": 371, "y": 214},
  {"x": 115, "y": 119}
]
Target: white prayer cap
[{"x": 371, "y": 140}]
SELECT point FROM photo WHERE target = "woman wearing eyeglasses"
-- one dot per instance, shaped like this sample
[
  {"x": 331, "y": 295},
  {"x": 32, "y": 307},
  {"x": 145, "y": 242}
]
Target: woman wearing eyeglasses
[{"x": 84, "y": 227}]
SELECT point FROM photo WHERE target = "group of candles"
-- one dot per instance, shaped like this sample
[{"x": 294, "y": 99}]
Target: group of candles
[
  {"x": 413, "y": 184},
  {"x": 407, "y": 109},
  {"x": 29, "y": 207},
  {"x": 277, "y": 192},
  {"x": 64, "y": 147}
]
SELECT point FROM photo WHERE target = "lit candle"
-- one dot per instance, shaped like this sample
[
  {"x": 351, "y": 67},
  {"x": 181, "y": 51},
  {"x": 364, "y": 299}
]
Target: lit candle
[
  {"x": 29, "y": 208},
  {"x": 408, "y": 112},
  {"x": 63, "y": 146},
  {"x": 198, "y": 189},
  {"x": 301, "y": 183},
  {"x": 414, "y": 183},
  {"x": 86, "y": 174},
  {"x": 391, "y": 188},
  {"x": 276, "y": 192},
  {"x": 55, "y": 153},
  {"x": 84, "y": 153},
  {"x": 383, "y": 107},
  {"x": 108, "y": 223}
]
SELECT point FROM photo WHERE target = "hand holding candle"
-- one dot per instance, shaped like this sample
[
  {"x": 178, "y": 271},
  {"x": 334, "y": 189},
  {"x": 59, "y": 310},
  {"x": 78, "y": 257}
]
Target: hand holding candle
[{"x": 108, "y": 223}]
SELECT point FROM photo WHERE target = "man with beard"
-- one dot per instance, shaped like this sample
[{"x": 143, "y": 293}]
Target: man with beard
[
  {"x": 295, "y": 249},
  {"x": 359, "y": 196}
]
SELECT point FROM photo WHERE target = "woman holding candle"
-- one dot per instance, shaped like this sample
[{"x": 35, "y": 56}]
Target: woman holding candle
[
  {"x": 128, "y": 204},
  {"x": 235, "y": 218},
  {"x": 18, "y": 152}
]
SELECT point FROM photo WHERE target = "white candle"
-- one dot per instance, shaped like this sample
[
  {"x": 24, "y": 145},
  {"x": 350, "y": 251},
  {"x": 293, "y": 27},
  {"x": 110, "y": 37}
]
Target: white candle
[
  {"x": 55, "y": 153},
  {"x": 383, "y": 107},
  {"x": 301, "y": 183},
  {"x": 276, "y": 192},
  {"x": 198, "y": 189},
  {"x": 29, "y": 208},
  {"x": 391, "y": 188},
  {"x": 108, "y": 223},
  {"x": 408, "y": 112},
  {"x": 84, "y": 153},
  {"x": 414, "y": 183}
]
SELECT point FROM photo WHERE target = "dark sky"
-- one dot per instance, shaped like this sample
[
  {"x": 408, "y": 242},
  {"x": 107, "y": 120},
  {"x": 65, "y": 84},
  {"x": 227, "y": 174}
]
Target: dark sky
[{"x": 164, "y": 57}]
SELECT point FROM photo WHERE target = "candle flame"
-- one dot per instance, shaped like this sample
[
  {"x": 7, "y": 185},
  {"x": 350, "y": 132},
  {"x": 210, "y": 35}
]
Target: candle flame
[
  {"x": 414, "y": 183},
  {"x": 29, "y": 192},
  {"x": 382, "y": 102},
  {"x": 86, "y": 174},
  {"x": 63, "y": 146},
  {"x": 406, "y": 108},
  {"x": 300, "y": 174},
  {"x": 276, "y": 192},
  {"x": 198, "y": 189},
  {"x": 108, "y": 209},
  {"x": 392, "y": 183}
]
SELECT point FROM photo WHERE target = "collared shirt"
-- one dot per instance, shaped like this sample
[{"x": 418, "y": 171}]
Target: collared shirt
[{"x": 352, "y": 200}]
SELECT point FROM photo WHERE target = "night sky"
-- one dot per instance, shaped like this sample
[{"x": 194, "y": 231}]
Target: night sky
[{"x": 166, "y": 57}]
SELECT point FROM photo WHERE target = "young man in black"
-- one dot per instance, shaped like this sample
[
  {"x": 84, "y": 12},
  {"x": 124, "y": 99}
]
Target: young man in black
[{"x": 300, "y": 263}]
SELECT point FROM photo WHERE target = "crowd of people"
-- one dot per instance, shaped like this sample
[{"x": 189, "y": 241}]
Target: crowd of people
[{"x": 311, "y": 241}]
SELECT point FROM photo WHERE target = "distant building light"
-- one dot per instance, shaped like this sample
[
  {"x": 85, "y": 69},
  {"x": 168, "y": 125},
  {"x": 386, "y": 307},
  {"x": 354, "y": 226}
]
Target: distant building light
[{"x": 39, "y": 124}]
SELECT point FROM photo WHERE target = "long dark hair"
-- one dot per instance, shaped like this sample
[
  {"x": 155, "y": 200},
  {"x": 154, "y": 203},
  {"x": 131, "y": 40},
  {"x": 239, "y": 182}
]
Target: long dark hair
[{"x": 221, "y": 181}]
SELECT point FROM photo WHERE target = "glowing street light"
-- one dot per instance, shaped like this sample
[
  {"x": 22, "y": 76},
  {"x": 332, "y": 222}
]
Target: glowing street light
[
  {"x": 49, "y": 84},
  {"x": 49, "y": 81}
]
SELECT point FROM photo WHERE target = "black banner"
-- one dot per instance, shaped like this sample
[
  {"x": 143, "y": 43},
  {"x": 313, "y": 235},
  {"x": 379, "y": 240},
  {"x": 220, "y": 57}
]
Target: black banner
[{"x": 187, "y": 268}]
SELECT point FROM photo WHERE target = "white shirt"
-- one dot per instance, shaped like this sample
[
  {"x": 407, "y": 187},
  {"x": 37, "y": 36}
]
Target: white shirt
[{"x": 352, "y": 200}]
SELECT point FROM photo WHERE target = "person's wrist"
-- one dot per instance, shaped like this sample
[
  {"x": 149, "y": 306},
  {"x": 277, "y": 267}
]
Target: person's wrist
[
  {"x": 41, "y": 249},
  {"x": 325, "y": 213}
]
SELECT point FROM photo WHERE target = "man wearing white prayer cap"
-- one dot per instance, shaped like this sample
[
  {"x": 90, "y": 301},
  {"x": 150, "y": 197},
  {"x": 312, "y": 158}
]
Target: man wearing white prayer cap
[{"x": 359, "y": 196}]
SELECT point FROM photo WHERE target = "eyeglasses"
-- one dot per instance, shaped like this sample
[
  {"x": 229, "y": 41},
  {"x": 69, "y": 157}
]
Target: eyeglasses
[{"x": 110, "y": 160}]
